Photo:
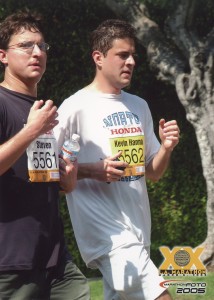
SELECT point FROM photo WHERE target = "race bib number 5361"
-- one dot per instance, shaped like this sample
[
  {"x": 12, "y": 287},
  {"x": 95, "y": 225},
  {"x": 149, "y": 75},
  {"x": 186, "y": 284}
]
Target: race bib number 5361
[{"x": 43, "y": 161}]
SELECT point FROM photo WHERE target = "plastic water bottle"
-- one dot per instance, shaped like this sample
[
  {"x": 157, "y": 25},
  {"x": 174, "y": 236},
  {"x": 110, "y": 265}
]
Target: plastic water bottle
[{"x": 71, "y": 148}]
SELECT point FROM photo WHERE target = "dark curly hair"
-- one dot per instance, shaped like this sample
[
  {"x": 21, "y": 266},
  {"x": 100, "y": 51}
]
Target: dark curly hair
[{"x": 22, "y": 19}]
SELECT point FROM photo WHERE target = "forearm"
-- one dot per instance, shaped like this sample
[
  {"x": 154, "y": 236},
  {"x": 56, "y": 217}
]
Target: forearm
[
  {"x": 169, "y": 133},
  {"x": 159, "y": 164},
  {"x": 11, "y": 150},
  {"x": 68, "y": 174},
  {"x": 106, "y": 170},
  {"x": 87, "y": 170}
]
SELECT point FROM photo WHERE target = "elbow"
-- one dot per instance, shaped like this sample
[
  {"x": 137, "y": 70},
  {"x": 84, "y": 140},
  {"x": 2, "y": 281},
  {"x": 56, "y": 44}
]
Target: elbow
[
  {"x": 154, "y": 177},
  {"x": 66, "y": 189},
  {"x": 69, "y": 189}
]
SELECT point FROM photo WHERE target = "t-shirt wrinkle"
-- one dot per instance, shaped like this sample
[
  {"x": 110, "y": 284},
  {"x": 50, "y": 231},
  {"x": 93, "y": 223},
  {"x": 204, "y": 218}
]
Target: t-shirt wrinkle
[
  {"x": 105, "y": 216},
  {"x": 30, "y": 226}
]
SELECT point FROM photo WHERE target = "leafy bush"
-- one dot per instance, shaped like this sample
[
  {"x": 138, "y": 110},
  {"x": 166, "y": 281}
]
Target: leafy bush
[{"x": 178, "y": 200}]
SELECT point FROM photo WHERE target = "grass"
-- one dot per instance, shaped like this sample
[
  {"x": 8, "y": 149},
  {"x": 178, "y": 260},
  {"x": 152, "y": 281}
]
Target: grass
[{"x": 96, "y": 287}]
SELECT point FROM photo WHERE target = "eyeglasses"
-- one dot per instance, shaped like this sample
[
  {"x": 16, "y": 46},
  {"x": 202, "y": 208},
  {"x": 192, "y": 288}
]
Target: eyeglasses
[{"x": 29, "y": 46}]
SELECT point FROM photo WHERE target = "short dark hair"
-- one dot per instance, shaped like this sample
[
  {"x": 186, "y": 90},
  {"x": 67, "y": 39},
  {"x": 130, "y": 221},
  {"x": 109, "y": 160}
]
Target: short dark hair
[
  {"x": 22, "y": 19},
  {"x": 104, "y": 35}
]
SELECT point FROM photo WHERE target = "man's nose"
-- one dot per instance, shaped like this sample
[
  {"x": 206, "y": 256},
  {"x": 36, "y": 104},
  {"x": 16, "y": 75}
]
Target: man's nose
[
  {"x": 130, "y": 60},
  {"x": 36, "y": 49}
]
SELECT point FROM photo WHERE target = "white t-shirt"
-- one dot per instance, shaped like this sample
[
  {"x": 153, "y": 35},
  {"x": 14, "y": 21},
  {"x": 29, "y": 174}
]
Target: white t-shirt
[{"x": 105, "y": 216}]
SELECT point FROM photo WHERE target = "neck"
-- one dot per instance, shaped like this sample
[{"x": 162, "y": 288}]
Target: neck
[
  {"x": 103, "y": 87},
  {"x": 20, "y": 87}
]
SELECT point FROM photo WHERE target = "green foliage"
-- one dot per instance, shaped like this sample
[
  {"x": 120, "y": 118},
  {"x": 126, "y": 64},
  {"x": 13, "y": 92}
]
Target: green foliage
[
  {"x": 178, "y": 201},
  {"x": 160, "y": 10}
]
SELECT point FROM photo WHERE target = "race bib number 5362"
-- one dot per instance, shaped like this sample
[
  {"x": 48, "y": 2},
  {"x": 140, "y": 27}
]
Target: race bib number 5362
[
  {"x": 133, "y": 153},
  {"x": 43, "y": 161}
]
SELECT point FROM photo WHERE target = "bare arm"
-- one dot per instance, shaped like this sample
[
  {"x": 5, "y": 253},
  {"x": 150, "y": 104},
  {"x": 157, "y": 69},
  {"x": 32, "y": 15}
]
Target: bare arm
[
  {"x": 104, "y": 170},
  {"x": 169, "y": 135},
  {"x": 68, "y": 174},
  {"x": 40, "y": 120}
]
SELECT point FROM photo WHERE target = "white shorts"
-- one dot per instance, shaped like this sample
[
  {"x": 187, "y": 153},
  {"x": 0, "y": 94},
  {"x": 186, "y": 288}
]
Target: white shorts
[{"x": 129, "y": 274}]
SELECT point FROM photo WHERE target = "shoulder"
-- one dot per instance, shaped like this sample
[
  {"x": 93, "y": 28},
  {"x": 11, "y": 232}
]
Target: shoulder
[
  {"x": 137, "y": 100},
  {"x": 70, "y": 107},
  {"x": 72, "y": 99},
  {"x": 4, "y": 103}
]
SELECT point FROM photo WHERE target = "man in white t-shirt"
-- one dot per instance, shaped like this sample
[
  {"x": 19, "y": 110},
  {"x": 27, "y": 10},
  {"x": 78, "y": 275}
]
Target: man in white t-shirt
[{"x": 110, "y": 208}]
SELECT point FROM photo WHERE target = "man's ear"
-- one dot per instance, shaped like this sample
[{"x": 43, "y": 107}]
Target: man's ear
[
  {"x": 3, "y": 56},
  {"x": 97, "y": 57}
]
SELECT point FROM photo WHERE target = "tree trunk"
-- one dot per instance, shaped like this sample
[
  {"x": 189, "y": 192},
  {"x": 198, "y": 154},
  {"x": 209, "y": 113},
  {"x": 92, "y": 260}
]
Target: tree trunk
[
  {"x": 200, "y": 113},
  {"x": 195, "y": 89}
]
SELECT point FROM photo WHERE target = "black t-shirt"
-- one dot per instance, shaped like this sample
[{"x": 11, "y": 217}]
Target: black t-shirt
[{"x": 31, "y": 233}]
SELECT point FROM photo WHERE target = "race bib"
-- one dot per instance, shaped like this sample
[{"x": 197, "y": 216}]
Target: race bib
[
  {"x": 43, "y": 160},
  {"x": 133, "y": 153}
]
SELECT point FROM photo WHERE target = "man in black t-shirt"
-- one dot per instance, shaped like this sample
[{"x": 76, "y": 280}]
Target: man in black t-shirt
[{"x": 34, "y": 262}]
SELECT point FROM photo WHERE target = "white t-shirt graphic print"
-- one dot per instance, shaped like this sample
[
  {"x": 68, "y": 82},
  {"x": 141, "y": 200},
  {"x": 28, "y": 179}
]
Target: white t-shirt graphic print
[{"x": 105, "y": 216}]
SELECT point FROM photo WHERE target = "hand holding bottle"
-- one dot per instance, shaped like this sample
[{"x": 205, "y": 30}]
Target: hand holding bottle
[{"x": 71, "y": 148}]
